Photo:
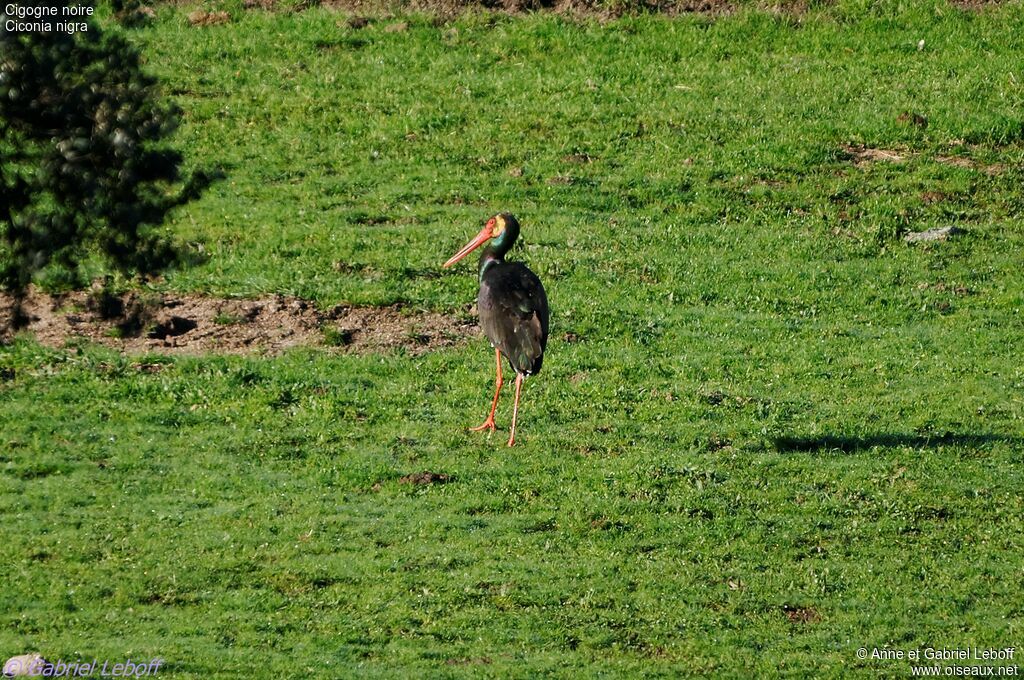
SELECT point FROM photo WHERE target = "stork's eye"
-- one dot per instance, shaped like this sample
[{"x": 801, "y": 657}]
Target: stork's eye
[{"x": 497, "y": 226}]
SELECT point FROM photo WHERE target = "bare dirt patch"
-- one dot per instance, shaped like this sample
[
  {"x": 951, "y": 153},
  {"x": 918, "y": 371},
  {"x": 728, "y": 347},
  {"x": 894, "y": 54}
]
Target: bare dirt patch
[
  {"x": 801, "y": 614},
  {"x": 449, "y": 9},
  {"x": 862, "y": 155},
  {"x": 971, "y": 164},
  {"x": 911, "y": 118},
  {"x": 579, "y": 158},
  {"x": 194, "y": 324},
  {"x": 977, "y": 5},
  {"x": 203, "y": 18},
  {"x": 560, "y": 180},
  {"x": 467, "y": 661},
  {"x": 865, "y": 154},
  {"x": 364, "y": 11},
  {"x": 425, "y": 477}
]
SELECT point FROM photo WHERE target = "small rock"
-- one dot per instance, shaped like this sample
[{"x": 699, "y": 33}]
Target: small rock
[
  {"x": 938, "y": 234},
  {"x": 24, "y": 665}
]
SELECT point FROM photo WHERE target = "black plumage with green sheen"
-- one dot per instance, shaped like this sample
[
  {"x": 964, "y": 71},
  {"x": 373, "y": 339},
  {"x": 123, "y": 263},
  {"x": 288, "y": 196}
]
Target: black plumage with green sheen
[
  {"x": 513, "y": 309},
  {"x": 512, "y": 304}
]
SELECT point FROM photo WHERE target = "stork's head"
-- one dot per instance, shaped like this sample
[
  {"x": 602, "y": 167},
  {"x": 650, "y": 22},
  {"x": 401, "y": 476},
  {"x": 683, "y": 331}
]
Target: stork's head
[{"x": 503, "y": 227}]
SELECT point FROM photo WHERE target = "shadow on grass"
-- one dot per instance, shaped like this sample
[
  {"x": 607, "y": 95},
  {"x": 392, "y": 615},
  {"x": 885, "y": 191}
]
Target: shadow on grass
[{"x": 888, "y": 439}]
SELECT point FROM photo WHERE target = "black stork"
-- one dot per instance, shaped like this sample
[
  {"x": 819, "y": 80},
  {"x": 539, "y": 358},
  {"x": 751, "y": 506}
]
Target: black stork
[{"x": 513, "y": 308}]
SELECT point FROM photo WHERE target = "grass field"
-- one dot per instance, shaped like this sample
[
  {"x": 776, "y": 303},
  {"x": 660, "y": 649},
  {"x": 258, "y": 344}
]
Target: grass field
[{"x": 768, "y": 431}]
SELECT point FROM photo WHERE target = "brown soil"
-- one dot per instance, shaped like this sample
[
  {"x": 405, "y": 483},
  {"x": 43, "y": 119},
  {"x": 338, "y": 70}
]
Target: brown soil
[
  {"x": 448, "y": 9},
  {"x": 929, "y": 197},
  {"x": 801, "y": 614},
  {"x": 203, "y": 18},
  {"x": 425, "y": 477},
  {"x": 364, "y": 10},
  {"x": 863, "y": 154},
  {"x": 911, "y": 118},
  {"x": 193, "y": 324},
  {"x": 977, "y": 5},
  {"x": 961, "y": 162},
  {"x": 468, "y": 661}
]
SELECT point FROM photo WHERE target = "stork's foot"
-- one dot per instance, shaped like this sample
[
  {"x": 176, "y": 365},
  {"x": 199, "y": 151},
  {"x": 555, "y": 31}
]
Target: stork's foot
[
  {"x": 486, "y": 425},
  {"x": 512, "y": 440}
]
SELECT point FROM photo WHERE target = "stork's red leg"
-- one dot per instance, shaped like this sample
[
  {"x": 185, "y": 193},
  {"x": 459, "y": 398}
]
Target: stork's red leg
[
  {"x": 515, "y": 408},
  {"x": 489, "y": 423}
]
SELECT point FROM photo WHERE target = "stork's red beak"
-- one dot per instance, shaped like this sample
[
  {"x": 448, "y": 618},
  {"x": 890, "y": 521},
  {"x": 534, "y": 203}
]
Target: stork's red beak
[{"x": 477, "y": 241}]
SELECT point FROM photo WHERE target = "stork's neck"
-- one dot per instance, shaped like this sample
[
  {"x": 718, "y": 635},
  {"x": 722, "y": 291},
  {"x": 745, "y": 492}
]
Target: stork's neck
[
  {"x": 495, "y": 251},
  {"x": 488, "y": 259}
]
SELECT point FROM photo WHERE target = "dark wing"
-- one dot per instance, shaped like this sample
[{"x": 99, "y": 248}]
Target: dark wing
[{"x": 514, "y": 314}]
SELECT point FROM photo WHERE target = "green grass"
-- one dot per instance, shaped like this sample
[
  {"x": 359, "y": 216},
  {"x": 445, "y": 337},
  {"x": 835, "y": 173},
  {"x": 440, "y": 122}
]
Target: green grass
[{"x": 778, "y": 435}]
